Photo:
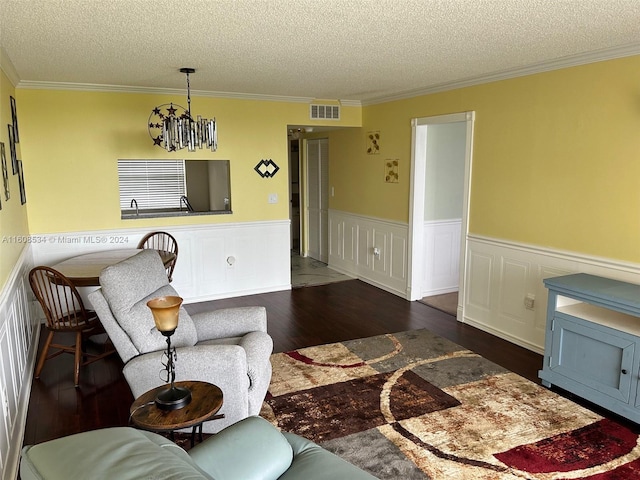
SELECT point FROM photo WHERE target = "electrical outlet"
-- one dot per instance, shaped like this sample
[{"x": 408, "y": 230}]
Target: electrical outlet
[
  {"x": 273, "y": 198},
  {"x": 529, "y": 301},
  {"x": 376, "y": 252}
]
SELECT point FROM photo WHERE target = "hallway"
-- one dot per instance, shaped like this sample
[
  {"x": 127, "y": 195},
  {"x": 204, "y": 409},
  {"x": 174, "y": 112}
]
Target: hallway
[{"x": 306, "y": 272}]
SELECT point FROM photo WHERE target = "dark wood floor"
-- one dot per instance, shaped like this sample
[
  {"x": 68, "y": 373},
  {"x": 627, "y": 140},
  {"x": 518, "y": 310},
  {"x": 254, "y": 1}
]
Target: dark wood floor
[{"x": 296, "y": 318}]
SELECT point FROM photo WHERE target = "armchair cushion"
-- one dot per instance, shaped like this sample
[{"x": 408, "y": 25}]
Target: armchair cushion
[{"x": 127, "y": 286}]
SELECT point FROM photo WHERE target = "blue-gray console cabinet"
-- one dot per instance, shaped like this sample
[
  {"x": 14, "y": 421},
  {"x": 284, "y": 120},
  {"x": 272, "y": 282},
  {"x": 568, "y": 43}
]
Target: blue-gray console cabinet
[{"x": 592, "y": 343}]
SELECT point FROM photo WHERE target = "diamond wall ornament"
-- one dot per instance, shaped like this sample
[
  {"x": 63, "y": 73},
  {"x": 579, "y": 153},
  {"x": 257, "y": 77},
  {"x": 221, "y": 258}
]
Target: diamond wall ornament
[{"x": 266, "y": 168}]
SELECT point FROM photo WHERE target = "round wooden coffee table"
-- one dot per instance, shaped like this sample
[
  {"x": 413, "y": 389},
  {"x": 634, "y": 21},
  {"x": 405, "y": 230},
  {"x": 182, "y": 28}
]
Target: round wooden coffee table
[{"x": 206, "y": 401}]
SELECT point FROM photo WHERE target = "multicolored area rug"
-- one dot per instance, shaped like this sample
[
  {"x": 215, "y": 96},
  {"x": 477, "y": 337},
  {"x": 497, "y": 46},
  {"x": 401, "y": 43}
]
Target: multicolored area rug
[{"x": 413, "y": 405}]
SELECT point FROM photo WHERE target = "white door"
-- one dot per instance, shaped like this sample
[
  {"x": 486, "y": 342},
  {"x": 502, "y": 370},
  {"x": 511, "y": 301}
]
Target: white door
[{"x": 318, "y": 198}]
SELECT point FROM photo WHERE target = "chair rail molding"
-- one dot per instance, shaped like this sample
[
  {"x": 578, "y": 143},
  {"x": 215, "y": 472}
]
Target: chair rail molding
[
  {"x": 503, "y": 277},
  {"x": 19, "y": 333}
]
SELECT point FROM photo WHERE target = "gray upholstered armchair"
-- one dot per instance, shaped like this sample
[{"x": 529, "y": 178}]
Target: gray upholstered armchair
[{"x": 227, "y": 347}]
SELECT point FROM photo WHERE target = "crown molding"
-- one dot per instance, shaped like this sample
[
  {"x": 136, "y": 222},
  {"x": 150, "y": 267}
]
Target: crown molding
[
  {"x": 7, "y": 67},
  {"x": 563, "y": 62},
  {"x": 350, "y": 103},
  {"x": 96, "y": 87}
]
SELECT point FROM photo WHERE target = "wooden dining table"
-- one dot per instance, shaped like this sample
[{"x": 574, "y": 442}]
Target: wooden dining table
[{"x": 84, "y": 270}]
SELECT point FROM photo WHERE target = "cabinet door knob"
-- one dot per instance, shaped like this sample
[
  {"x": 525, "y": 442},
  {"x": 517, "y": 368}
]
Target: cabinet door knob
[{"x": 624, "y": 371}]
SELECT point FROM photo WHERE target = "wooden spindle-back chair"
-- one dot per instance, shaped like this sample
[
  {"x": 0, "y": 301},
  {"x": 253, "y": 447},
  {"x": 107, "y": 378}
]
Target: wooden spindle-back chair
[
  {"x": 162, "y": 241},
  {"x": 65, "y": 312}
]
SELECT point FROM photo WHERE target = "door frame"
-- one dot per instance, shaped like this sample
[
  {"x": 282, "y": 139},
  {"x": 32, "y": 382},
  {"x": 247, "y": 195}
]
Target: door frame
[{"x": 416, "y": 243}]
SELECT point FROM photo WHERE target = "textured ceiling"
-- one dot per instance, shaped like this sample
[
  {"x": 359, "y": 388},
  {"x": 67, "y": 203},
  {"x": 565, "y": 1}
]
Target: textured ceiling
[{"x": 363, "y": 50}]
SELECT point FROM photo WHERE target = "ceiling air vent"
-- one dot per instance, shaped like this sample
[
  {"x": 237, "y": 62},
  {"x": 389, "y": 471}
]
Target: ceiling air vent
[{"x": 325, "y": 112}]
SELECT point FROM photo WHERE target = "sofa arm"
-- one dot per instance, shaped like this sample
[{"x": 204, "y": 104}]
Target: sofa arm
[
  {"x": 229, "y": 322},
  {"x": 119, "y": 452},
  {"x": 258, "y": 347},
  {"x": 251, "y": 449}
]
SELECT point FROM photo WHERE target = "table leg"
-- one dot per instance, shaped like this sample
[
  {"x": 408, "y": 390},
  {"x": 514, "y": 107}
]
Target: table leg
[{"x": 195, "y": 428}]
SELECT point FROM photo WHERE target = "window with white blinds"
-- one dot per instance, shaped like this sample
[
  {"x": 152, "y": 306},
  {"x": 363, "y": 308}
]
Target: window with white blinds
[{"x": 153, "y": 184}]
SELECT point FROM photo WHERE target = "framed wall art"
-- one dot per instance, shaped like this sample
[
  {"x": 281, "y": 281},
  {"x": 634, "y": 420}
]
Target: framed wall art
[
  {"x": 23, "y": 193},
  {"x": 391, "y": 170},
  {"x": 5, "y": 173},
  {"x": 14, "y": 119},
  {"x": 373, "y": 143},
  {"x": 12, "y": 149}
]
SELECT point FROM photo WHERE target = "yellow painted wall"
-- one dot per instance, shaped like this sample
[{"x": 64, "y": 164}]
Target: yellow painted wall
[
  {"x": 72, "y": 141},
  {"x": 556, "y": 158},
  {"x": 14, "y": 228}
]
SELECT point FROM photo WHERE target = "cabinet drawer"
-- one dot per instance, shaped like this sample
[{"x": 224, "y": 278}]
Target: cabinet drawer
[{"x": 593, "y": 357}]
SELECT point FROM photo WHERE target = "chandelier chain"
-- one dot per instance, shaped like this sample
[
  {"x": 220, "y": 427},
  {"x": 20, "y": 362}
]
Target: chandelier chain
[{"x": 188, "y": 96}]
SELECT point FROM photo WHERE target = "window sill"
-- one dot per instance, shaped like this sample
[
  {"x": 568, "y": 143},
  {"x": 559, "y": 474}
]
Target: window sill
[{"x": 162, "y": 214}]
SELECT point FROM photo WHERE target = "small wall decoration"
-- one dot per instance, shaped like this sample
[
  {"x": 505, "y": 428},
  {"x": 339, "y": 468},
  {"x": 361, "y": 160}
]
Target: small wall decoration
[
  {"x": 266, "y": 168},
  {"x": 14, "y": 119},
  {"x": 5, "y": 173},
  {"x": 373, "y": 143},
  {"x": 12, "y": 149},
  {"x": 23, "y": 194},
  {"x": 391, "y": 170}
]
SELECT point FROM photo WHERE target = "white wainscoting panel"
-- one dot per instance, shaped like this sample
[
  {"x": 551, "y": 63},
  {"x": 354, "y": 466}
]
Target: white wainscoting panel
[
  {"x": 352, "y": 241},
  {"x": 500, "y": 275},
  {"x": 18, "y": 348},
  {"x": 214, "y": 261},
  {"x": 441, "y": 269}
]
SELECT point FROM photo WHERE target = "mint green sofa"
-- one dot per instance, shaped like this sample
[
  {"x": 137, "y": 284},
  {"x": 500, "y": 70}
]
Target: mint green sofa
[{"x": 251, "y": 449}]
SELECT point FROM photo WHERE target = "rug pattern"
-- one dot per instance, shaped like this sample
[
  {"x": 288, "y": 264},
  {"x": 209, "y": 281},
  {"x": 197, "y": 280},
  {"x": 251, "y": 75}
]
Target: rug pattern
[{"x": 413, "y": 405}]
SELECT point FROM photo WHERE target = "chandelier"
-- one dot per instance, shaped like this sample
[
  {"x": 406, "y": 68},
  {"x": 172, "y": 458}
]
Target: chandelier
[{"x": 173, "y": 128}]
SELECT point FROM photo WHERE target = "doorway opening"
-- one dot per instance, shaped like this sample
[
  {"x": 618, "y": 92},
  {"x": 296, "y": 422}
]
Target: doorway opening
[
  {"x": 439, "y": 205},
  {"x": 309, "y": 209},
  {"x": 294, "y": 192}
]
